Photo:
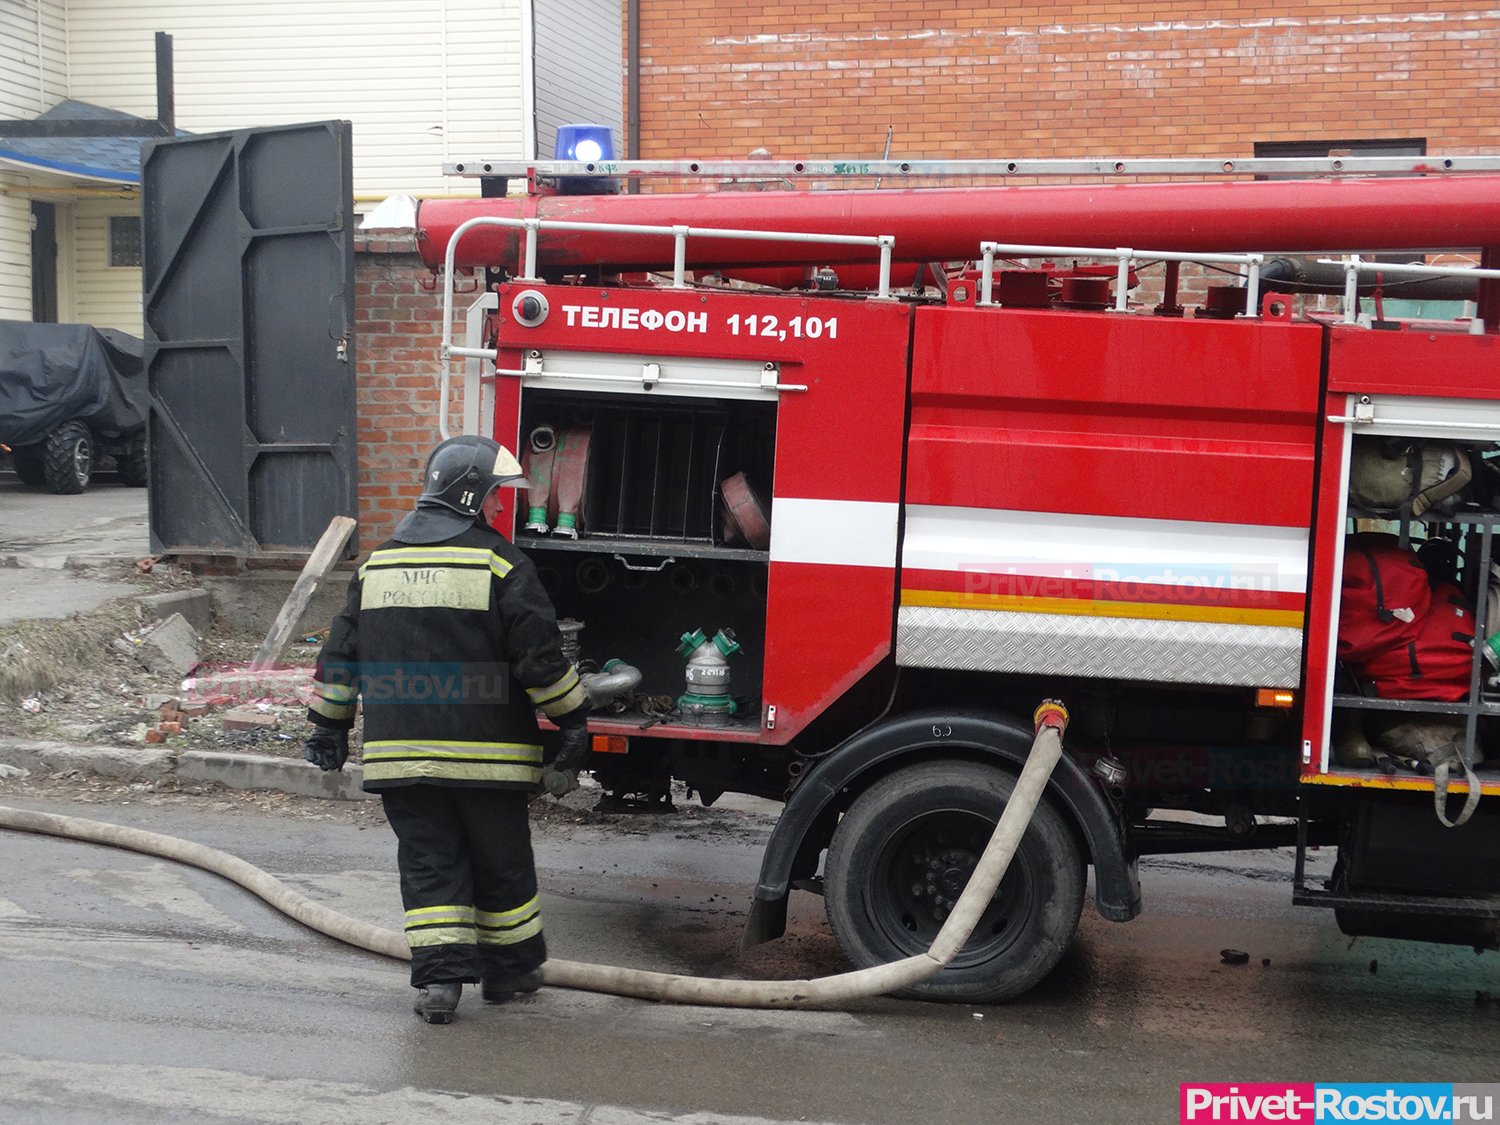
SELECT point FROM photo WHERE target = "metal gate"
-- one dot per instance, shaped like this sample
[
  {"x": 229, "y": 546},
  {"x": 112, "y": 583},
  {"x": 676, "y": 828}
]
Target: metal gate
[{"x": 247, "y": 246}]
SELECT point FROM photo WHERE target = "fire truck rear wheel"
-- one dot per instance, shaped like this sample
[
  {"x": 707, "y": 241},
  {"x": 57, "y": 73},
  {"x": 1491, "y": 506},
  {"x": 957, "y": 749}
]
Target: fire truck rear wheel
[{"x": 905, "y": 849}]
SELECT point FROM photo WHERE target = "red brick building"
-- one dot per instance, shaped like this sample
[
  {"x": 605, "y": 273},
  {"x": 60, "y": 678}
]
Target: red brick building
[{"x": 801, "y": 78}]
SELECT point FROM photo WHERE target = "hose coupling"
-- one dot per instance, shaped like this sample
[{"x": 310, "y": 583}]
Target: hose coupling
[{"x": 1051, "y": 713}]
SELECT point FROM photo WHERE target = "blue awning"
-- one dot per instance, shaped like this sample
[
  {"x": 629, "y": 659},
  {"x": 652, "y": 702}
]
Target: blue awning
[{"x": 113, "y": 159}]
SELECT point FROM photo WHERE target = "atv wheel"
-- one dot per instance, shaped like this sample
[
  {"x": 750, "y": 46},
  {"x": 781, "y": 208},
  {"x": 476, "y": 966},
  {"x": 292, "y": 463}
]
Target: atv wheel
[
  {"x": 905, "y": 849},
  {"x": 68, "y": 462},
  {"x": 132, "y": 462},
  {"x": 28, "y": 465}
]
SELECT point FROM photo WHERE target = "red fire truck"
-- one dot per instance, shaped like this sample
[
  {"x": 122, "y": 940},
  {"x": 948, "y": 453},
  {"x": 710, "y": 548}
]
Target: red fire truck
[{"x": 839, "y": 483}]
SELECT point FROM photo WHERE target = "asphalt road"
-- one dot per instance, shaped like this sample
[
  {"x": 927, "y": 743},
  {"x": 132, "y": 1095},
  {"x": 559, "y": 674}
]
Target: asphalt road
[
  {"x": 44, "y": 538},
  {"x": 136, "y": 990}
]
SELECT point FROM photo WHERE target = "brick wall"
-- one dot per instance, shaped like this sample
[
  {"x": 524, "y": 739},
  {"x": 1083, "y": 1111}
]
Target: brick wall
[
  {"x": 399, "y": 331},
  {"x": 721, "y": 77}
]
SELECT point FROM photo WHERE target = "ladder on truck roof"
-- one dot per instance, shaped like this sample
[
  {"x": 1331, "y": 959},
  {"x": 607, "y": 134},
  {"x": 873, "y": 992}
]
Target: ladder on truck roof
[{"x": 1311, "y": 167}]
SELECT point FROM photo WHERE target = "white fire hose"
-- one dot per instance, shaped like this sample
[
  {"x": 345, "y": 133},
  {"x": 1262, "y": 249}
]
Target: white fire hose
[{"x": 1051, "y": 719}]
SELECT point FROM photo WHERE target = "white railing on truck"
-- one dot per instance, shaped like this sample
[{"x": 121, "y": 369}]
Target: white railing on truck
[
  {"x": 1123, "y": 256},
  {"x": 1354, "y": 265}
]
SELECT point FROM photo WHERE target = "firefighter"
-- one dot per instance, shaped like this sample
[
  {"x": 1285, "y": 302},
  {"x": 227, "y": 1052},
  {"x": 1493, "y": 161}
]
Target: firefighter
[{"x": 451, "y": 644}]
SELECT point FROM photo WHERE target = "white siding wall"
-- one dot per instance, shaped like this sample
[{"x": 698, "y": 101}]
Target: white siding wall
[
  {"x": 15, "y": 252},
  {"x": 579, "y": 68},
  {"x": 33, "y": 57},
  {"x": 33, "y": 78},
  {"x": 423, "y": 81},
  {"x": 102, "y": 296}
]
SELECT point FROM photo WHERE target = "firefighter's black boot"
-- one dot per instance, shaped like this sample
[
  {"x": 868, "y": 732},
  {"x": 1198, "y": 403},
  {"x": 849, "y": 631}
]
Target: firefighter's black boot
[
  {"x": 437, "y": 1002},
  {"x": 497, "y": 990}
]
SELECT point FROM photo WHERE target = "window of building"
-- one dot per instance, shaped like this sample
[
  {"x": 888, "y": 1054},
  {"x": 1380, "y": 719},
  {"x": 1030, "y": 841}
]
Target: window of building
[
  {"x": 1408, "y": 146},
  {"x": 125, "y": 241},
  {"x": 1394, "y": 146}
]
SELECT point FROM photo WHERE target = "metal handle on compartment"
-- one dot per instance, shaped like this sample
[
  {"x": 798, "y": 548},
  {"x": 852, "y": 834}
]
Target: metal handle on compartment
[
  {"x": 1414, "y": 423},
  {"x": 657, "y": 569},
  {"x": 666, "y": 384}
]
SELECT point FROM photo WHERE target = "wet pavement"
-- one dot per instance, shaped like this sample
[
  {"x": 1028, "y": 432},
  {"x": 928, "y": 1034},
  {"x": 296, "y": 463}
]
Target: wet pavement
[{"x": 138, "y": 990}]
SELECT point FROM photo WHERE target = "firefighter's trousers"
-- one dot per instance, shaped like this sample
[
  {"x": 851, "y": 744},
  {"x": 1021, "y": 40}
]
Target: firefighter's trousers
[{"x": 468, "y": 882}]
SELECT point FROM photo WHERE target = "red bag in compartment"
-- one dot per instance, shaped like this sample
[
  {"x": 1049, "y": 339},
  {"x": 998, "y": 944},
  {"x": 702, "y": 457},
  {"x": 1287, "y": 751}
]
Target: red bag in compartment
[
  {"x": 1385, "y": 594},
  {"x": 1437, "y": 661}
]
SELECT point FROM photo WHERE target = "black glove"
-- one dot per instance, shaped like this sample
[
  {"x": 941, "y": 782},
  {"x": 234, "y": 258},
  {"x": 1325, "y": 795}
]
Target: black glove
[
  {"x": 574, "y": 748},
  {"x": 561, "y": 777},
  {"x": 327, "y": 749}
]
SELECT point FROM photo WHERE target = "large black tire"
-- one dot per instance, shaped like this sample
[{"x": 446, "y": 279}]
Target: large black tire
[
  {"x": 134, "y": 467},
  {"x": 905, "y": 849},
  {"x": 68, "y": 460},
  {"x": 28, "y": 465}
]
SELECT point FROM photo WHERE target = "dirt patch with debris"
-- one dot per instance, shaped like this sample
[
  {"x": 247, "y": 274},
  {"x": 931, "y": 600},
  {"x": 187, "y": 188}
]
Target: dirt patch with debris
[
  {"x": 83, "y": 680},
  {"x": 80, "y": 681},
  {"x": 37, "y": 656}
]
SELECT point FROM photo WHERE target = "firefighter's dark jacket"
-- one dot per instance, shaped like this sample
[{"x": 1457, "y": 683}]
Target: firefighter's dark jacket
[{"x": 451, "y": 647}]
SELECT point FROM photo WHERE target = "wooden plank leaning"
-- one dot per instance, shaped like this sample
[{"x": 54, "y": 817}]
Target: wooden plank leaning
[{"x": 328, "y": 551}]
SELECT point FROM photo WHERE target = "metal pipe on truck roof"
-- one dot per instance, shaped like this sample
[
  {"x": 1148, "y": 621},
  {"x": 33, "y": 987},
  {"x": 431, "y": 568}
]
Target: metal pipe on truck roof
[{"x": 948, "y": 224}]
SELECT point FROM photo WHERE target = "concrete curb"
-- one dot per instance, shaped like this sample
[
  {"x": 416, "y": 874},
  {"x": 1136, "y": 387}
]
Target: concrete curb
[
  {"x": 261, "y": 771},
  {"x": 196, "y": 606},
  {"x": 153, "y": 763},
  {"x": 79, "y": 564},
  {"x": 116, "y": 763}
]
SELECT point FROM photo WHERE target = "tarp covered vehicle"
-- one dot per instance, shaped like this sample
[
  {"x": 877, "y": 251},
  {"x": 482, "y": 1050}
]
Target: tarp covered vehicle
[{"x": 69, "y": 395}]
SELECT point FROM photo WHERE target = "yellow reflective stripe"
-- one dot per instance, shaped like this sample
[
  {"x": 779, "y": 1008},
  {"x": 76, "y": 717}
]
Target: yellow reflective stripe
[
  {"x": 428, "y": 914},
  {"x": 557, "y": 688},
  {"x": 513, "y": 936},
  {"x": 507, "y": 917},
  {"x": 336, "y": 693},
  {"x": 414, "y": 768},
  {"x": 430, "y": 556},
  {"x": 386, "y": 749},
  {"x": 570, "y": 702},
  {"x": 332, "y": 710},
  {"x": 472, "y": 556},
  {"x": 456, "y": 935}
]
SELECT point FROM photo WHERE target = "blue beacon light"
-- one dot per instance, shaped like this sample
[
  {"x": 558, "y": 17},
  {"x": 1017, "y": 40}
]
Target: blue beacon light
[{"x": 590, "y": 144}]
